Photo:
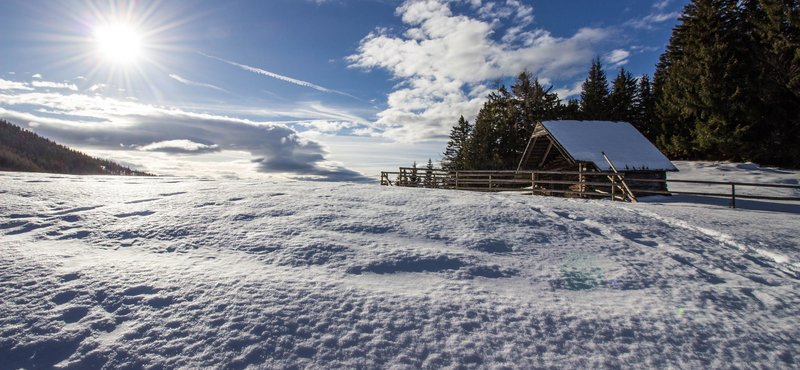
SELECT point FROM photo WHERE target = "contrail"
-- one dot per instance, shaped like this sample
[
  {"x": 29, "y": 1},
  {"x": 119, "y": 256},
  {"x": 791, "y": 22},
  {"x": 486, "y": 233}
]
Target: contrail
[
  {"x": 284, "y": 78},
  {"x": 193, "y": 83}
]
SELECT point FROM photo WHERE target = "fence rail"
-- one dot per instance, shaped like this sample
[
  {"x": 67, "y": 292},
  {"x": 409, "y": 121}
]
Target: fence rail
[{"x": 584, "y": 184}]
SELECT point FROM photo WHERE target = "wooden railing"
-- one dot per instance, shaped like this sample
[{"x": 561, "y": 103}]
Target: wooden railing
[
  {"x": 585, "y": 184},
  {"x": 732, "y": 195}
]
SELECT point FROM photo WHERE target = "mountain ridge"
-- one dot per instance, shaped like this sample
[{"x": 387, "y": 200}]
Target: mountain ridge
[{"x": 24, "y": 151}]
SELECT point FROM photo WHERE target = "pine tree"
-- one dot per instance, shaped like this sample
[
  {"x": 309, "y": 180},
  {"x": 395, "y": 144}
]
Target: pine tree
[
  {"x": 622, "y": 99},
  {"x": 645, "y": 120},
  {"x": 429, "y": 174},
  {"x": 491, "y": 133},
  {"x": 569, "y": 111},
  {"x": 414, "y": 179},
  {"x": 594, "y": 96},
  {"x": 776, "y": 33},
  {"x": 532, "y": 103},
  {"x": 481, "y": 154},
  {"x": 455, "y": 155},
  {"x": 506, "y": 127},
  {"x": 708, "y": 100}
]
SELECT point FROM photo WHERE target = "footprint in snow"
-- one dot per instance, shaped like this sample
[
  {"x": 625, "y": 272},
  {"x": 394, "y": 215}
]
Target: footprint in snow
[
  {"x": 64, "y": 297},
  {"x": 70, "y": 277},
  {"x": 140, "y": 290},
  {"x": 74, "y": 210},
  {"x": 171, "y": 194},
  {"x": 141, "y": 201},
  {"x": 244, "y": 217},
  {"x": 124, "y": 215},
  {"x": 74, "y": 314}
]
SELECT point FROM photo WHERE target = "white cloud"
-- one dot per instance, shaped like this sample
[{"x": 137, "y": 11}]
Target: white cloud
[
  {"x": 193, "y": 83},
  {"x": 37, "y": 76},
  {"x": 96, "y": 87},
  {"x": 567, "y": 92},
  {"x": 54, "y": 85},
  {"x": 80, "y": 78},
  {"x": 661, "y": 4},
  {"x": 442, "y": 57},
  {"x": 328, "y": 126},
  {"x": 648, "y": 21},
  {"x": 11, "y": 85},
  {"x": 185, "y": 146},
  {"x": 520, "y": 12},
  {"x": 643, "y": 49},
  {"x": 617, "y": 57},
  {"x": 103, "y": 123}
]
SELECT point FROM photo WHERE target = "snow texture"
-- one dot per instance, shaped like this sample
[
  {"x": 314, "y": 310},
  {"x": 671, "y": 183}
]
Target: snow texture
[
  {"x": 130, "y": 273},
  {"x": 624, "y": 145}
]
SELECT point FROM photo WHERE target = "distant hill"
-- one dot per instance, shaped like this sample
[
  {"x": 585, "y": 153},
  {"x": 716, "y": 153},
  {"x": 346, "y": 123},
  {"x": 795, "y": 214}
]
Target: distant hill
[{"x": 25, "y": 151}]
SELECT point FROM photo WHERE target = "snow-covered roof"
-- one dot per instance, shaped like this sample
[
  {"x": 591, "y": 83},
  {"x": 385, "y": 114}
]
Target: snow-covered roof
[{"x": 625, "y": 146}]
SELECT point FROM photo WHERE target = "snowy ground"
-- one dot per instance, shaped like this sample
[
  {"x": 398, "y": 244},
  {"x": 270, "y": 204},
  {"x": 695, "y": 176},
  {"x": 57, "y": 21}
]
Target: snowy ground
[{"x": 183, "y": 273}]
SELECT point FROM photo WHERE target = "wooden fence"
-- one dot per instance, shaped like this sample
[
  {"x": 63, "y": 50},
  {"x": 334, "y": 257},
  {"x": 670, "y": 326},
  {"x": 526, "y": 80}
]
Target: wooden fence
[{"x": 583, "y": 184}]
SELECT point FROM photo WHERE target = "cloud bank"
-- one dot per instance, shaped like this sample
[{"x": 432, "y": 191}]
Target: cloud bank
[
  {"x": 445, "y": 61},
  {"x": 105, "y": 123}
]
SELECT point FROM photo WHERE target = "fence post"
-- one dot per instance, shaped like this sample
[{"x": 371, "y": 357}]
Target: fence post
[
  {"x": 456, "y": 180},
  {"x": 490, "y": 182},
  {"x": 733, "y": 196},
  {"x": 613, "y": 188},
  {"x": 533, "y": 182}
]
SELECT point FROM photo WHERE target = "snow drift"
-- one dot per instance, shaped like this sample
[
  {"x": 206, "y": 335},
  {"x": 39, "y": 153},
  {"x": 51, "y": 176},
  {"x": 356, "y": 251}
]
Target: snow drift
[{"x": 188, "y": 273}]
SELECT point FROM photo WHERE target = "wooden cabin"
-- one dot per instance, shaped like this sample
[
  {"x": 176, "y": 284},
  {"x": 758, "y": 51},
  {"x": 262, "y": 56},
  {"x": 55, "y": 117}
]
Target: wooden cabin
[{"x": 579, "y": 146}]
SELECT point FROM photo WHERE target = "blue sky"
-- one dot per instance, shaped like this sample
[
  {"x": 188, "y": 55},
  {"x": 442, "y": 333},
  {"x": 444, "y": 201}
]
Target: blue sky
[{"x": 294, "y": 89}]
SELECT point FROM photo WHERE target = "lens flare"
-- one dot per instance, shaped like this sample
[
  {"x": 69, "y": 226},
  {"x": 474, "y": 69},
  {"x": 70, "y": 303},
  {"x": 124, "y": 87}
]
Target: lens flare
[{"x": 119, "y": 43}]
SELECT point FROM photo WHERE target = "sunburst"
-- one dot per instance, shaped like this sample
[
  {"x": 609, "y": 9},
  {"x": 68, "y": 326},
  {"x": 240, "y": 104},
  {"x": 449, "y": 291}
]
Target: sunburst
[
  {"x": 127, "y": 43},
  {"x": 118, "y": 43}
]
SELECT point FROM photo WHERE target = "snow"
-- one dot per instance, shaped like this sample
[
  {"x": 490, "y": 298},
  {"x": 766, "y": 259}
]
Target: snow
[
  {"x": 131, "y": 273},
  {"x": 624, "y": 145}
]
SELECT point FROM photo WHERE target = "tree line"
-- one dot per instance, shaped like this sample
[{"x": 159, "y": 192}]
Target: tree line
[
  {"x": 25, "y": 151},
  {"x": 726, "y": 88}
]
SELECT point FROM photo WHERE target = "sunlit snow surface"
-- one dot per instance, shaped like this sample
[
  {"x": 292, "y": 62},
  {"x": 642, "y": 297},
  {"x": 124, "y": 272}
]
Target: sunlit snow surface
[{"x": 132, "y": 273}]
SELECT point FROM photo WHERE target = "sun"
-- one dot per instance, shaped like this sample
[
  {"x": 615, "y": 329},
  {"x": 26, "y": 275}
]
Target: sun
[{"x": 118, "y": 43}]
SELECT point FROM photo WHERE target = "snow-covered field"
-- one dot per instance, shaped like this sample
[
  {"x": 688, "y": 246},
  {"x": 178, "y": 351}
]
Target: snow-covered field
[{"x": 112, "y": 272}]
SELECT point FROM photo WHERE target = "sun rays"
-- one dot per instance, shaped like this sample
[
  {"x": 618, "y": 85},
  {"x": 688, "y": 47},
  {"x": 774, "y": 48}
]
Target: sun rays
[
  {"x": 129, "y": 45},
  {"x": 118, "y": 43}
]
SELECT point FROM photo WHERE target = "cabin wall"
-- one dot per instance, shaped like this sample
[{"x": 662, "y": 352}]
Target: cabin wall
[{"x": 544, "y": 154}]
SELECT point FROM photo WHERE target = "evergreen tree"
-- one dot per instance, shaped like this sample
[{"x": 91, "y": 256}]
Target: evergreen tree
[
  {"x": 455, "y": 155},
  {"x": 707, "y": 102},
  {"x": 507, "y": 126},
  {"x": 776, "y": 33},
  {"x": 481, "y": 154},
  {"x": 645, "y": 120},
  {"x": 23, "y": 150},
  {"x": 414, "y": 179},
  {"x": 570, "y": 111},
  {"x": 429, "y": 174},
  {"x": 622, "y": 99},
  {"x": 494, "y": 131},
  {"x": 506, "y": 122},
  {"x": 594, "y": 96},
  {"x": 532, "y": 103}
]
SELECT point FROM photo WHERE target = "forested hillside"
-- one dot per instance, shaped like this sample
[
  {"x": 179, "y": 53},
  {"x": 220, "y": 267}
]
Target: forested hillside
[
  {"x": 23, "y": 150},
  {"x": 727, "y": 88}
]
